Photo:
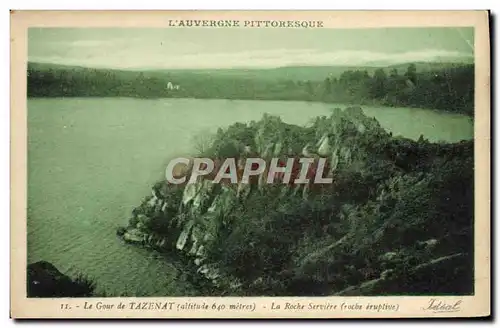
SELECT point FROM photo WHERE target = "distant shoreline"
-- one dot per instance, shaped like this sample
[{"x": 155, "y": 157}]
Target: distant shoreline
[
  {"x": 447, "y": 88},
  {"x": 365, "y": 103}
]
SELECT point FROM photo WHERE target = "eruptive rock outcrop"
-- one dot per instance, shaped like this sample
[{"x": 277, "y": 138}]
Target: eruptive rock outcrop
[{"x": 397, "y": 219}]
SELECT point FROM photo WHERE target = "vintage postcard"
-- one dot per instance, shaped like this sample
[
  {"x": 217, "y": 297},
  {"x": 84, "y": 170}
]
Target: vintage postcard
[{"x": 250, "y": 164}]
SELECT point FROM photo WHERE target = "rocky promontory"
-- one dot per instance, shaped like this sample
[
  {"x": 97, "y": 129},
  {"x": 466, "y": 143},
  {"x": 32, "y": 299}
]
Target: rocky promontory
[{"x": 397, "y": 219}]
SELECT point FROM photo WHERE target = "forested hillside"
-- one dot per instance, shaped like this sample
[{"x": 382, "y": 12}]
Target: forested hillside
[{"x": 445, "y": 87}]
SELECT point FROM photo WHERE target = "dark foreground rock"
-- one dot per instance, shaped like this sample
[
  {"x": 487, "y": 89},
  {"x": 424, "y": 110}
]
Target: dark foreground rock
[
  {"x": 397, "y": 219},
  {"x": 45, "y": 280}
]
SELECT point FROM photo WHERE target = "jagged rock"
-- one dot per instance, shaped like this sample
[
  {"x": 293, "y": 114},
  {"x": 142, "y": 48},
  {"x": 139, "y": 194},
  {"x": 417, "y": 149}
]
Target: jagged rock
[
  {"x": 431, "y": 243},
  {"x": 365, "y": 234},
  {"x": 133, "y": 236},
  {"x": 121, "y": 231},
  {"x": 190, "y": 192},
  {"x": 183, "y": 237},
  {"x": 209, "y": 271},
  {"x": 389, "y": 256},
  {"x": 143, "y": 219},
  {"x": 196, "y": 238},
  {"x": 324, "y": 148}
]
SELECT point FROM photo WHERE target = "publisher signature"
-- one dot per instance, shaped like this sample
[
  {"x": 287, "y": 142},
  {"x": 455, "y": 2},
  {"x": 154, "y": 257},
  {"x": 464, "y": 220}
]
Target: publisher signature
[{"x": 440, "y": 306}]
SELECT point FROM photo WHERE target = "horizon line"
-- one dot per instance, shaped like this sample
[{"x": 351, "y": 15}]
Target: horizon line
[{"x": 249, "y": 68}]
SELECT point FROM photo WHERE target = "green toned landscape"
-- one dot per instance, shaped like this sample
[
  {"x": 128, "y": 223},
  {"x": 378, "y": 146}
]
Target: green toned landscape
[
  {"x": 442, "y": 86},
  {"x": 391, "y": 109},
  {"x": 397, "y": 220},
  {"x": 401, "y": 207}
]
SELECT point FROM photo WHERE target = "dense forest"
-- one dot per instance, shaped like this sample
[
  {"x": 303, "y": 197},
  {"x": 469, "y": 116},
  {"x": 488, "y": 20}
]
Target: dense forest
[{"x": 445, "y": 87}]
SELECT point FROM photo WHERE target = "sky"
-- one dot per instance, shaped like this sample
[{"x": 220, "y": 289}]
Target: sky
[{"x": 175, "y": 48}]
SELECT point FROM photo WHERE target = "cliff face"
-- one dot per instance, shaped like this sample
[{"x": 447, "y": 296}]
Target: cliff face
[{"x": 397, "y": 219}]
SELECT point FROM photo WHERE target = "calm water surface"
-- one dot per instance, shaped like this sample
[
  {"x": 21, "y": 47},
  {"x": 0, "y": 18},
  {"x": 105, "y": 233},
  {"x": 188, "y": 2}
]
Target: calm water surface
[{"x": 91, "y": 161}]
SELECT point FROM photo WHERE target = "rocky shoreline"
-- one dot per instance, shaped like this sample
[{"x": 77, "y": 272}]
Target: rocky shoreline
[
  {"x": 398, "y": 218},
  {"x": 45, "y": 280}
]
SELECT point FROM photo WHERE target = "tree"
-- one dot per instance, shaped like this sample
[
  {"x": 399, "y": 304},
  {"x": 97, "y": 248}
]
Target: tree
[
  {"x": 327, "y": 87},
  {"x": 393, "y": 73},
  {"x": 310, "y": 89},
  {"x": 379, "y": 84},
  {"x": 411, "y": 73}
]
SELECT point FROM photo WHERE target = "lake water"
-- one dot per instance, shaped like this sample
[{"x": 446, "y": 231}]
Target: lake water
[{"x": 91, "y": 161}]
